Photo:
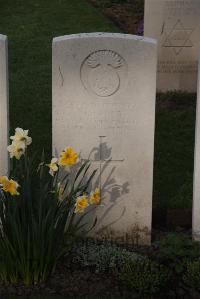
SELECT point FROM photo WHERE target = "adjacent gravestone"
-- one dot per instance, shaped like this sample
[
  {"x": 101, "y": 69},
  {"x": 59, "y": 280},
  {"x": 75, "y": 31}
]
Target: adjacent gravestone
[
  {"x": 3, "y": 105},
  {"x": 104, "y": 105},
  {"x": 176, "y": 26},
  {"x": 196, "y": 186}
]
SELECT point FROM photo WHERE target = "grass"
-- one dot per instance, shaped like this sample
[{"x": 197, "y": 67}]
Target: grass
[
  {"x": 53, "y": 297},
  {"x": 30, "y": 26},
  {"x": 174, "y": 151},
  {"x": 57, "y": 297}
]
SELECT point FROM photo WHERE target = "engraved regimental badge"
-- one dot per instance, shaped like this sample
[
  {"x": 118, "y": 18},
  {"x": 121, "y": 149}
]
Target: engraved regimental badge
[{"x": 103, "y": 72}]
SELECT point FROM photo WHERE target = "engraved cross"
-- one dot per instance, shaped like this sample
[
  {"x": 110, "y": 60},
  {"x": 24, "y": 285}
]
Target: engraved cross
[{"x": 101, "y": 161}]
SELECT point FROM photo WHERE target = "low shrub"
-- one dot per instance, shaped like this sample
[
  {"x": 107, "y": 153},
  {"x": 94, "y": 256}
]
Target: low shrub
[
  {"x": 144, "y": 276},
  {"x": 191, "y": 276},
  {"x": 175, "y": 249},
  {"x": 104, "y": 257}
]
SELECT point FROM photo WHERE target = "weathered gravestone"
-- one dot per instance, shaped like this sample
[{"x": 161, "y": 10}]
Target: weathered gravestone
[
  {"x": 196, "y": 185},
  {"x": 104, "y": 105},
  {"x": 3, "y": 106},
  {"x": 176, "y": 26}
]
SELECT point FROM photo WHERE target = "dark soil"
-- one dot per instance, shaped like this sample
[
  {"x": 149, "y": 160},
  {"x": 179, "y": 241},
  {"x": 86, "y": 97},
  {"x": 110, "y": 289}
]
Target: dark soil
[
  {"x": 70, "y": 281},
  {"x": 85, "y": 283},
  {"x": 128, "y": 15},
  {"x": 81, "y": 282}
]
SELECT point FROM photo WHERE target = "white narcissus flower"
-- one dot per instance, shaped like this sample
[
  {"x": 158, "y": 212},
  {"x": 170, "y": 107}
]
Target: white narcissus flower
[
  {"x": 21, "y": 136},
  {"x": 16, "y": 149},
  {"x": 53, "y": 166}
]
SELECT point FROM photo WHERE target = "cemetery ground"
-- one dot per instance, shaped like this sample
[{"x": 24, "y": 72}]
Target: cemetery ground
[{"x": 171, "y": 265}]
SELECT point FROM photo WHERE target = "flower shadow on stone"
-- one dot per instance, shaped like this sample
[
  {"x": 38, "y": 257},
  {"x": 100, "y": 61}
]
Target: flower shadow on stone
[{"x": 110, "y": 188}]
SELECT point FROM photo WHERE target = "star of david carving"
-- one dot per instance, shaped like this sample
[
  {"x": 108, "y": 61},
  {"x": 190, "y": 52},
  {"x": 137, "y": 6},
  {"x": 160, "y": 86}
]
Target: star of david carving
[{"x": 178, "y": 37}]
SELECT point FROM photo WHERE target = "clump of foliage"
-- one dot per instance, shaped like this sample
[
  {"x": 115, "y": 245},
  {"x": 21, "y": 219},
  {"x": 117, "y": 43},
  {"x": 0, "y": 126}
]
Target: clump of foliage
[
  {"x": 38, "y": 208},
  {"x": 103, "y": 257},
  {"x": 144, "y": 276},
  {"x": 191, "y": 276},
  {"x": 175, "y": 249}
]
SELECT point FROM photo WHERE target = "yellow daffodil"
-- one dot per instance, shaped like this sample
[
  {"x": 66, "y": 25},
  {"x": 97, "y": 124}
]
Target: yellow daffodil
[
  {"x": 53, "y": 166},
  {"x": 3, "y": 179},
  {"x": 81, "y": 204},
  {"x": 95, "y": 196},
  {"x": 21, "y": 135},
  {"x": 68, "y": 157},
  {"x": 9, "y": 186},
  {"x": 16, "y": 149}
]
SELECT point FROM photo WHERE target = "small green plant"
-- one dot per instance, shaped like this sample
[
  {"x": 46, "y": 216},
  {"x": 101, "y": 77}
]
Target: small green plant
[
  {"x": 145, "y": 277},
  {"x": 191, "y": 276},
  {"x": 38, "y": 208},
  {"x": 103, "y": 257},
  {"x": 175, "y": 249}
]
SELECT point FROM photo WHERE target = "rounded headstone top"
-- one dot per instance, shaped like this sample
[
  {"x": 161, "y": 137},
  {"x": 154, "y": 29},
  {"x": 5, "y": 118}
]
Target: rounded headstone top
[{"x": 104, "y": 35}]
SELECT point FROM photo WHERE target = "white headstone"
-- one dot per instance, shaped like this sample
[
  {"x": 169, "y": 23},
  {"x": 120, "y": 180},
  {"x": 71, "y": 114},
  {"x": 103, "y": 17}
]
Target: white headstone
[
  {"x": 3, "y": 105},
  {"x": 104, "y": 106},
  {"x": 176, "y": 26},
  {"x": 196, "y": 185}
]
